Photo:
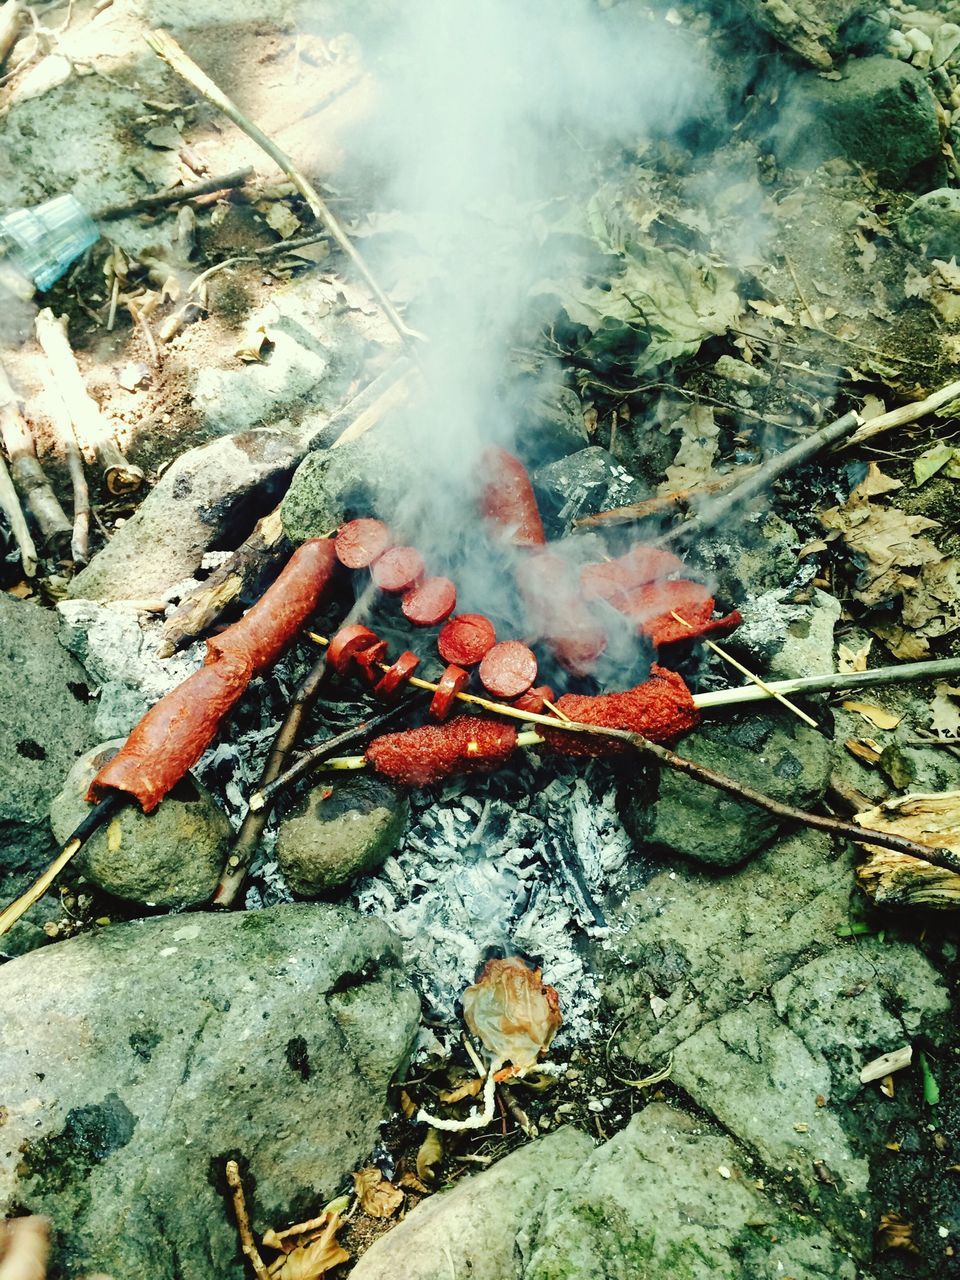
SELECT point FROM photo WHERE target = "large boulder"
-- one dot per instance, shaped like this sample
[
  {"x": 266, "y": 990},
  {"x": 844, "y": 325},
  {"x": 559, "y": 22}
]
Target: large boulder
[
  {"x": 880, "y": 115},
  {"x": 211, "y": 496},
  {"x": 664, "y": 1198},
  {"x": 135, "y": 1061}
]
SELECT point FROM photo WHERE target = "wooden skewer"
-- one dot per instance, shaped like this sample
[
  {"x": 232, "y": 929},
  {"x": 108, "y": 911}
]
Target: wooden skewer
[{"x": 745, "y": 671}]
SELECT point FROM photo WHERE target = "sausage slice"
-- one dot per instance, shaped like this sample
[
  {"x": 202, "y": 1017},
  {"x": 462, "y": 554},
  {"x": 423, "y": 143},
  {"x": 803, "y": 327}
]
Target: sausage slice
[
  {"x": 398, "y": 569},
  {"x": 431, "y": 603},
  {"x": 453, "y": 680},
  {"x": 397, "y": 676},
  {"x": 465, "y": 639},
  {"x": 508, "y": 669},
  {"x": 360, "y": 542}
]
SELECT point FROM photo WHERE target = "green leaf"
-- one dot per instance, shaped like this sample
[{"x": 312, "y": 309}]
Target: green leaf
[
  {"x": 854, "y": 929},
  {"x": 931, "y": 1090},
  {"x": 929, "y": 463}
]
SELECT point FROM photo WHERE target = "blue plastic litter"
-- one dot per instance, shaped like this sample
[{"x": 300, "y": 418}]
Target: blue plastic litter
[{"x": 42, "y": 242}]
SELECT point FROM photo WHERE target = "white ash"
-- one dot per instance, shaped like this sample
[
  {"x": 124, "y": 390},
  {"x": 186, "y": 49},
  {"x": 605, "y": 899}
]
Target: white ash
[{"x": 482, "y": 870}]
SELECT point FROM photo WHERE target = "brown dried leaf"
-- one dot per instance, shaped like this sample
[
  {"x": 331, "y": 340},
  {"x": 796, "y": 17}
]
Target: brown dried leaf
[
  {"x": 902, "y": 643},
  {"x": 853, "y": 659},
  {"x": 695, "y": 456},
  {"x": 469, "y": 1089},
  {"x": 876, "y": 716},
  {"x": 413, "y": 1183},
  {"x": 313, "y": 1259},
  {"x": 944, "y": 711},
  {"x": 378, "y": 1197},
  {"x": 408, "y": 1107},
  {"x": 512, "y": 1011},
  {"x": 429, "y": 1156},
  {"x": 864, "y": 750},
  {"x": 894, "y": 1232}
]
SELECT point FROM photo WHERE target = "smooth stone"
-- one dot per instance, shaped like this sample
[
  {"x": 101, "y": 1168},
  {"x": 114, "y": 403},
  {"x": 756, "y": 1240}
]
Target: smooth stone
[
  {"x": 138, "y": 1059},
  {"x": 326, "y": 840},
  {"x": 169, "y": 858}
]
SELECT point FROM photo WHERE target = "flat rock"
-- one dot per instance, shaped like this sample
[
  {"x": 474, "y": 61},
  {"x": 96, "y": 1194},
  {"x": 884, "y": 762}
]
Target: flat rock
[
  {"x": 621, "y": 1211},
  {"x": 210, "y": 496},
  {"x": 880, "y": 115},
  {"x": 172, "y": 1045},
  {"x": 769, "y": 1013},
  {"x": 326, "y": 840},
  {"x": 582, "y": 484},
  {"x": 771, "y": 751},
  {"x": 169, "y": 858}
]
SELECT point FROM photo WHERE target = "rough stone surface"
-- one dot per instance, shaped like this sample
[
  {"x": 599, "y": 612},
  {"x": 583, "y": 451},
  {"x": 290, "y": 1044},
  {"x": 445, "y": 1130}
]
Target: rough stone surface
[
  {"x": 558, "y": 1210},
  {"x": 554, "y": 423},
  {"x": 208, "y": 495},
  {"x": 169, "y": 858},
  {"x": 932, "y": 224},
  {"x": 770, "y": 751},
  {"x": 790, "y": 637},
  {"x": 880, "y": 115},
  {"x": 581, "y": 484},
  {"x": 769, "y": 1013},
  {"x": 761, "y": 556},
  {"x": 371, "y": 473},
  {"x": 324, "y": 842},
  {"x": 812, "y": 29},
  {"x": 138, "y": 1059}
]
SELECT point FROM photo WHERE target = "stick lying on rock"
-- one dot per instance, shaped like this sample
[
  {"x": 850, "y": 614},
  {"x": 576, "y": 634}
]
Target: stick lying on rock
[
  {"x": 25, "y": 468},
  {"x": 176, "y": 195}
]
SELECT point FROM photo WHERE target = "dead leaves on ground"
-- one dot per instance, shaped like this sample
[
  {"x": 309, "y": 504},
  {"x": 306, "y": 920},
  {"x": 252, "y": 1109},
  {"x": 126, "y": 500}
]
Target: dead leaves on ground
[
  {"x": 899, "y": 569},
  {"x": 309, "y": 1250},
  {"x": 512, "y": 1011},
  {"x": 378, "y": 1197}
]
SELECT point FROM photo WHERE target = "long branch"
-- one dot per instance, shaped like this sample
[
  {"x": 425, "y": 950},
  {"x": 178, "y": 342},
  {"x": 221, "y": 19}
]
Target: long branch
[{"x": 176, "y": 195}]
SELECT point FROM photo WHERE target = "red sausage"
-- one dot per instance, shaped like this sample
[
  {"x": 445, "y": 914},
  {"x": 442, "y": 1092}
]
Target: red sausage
[
  {"x": 361, "y": 542},
  {"x": 508, "y": 669},
  {"x": 431, "y": 603},
  {"x": 660, "y": 708},
  {"x": 508, "y": 499},
  {"x": 558, "y": 612},
  {"x": 465, "y": 744},
  {"x": 398, "y": 569},
  {"x": 370, "y": 660},
  {"x": 398, "y": 675},
  {"x": 534, "y": 699},
  {"x": 450, "y": 684},
  {"x": 652, "y": 608},
  {"x": 465, "y": 639},
  {"x": 347, "y": 643},
  {"x": 642, "y": 564},
  {"x": 176, "y": 731}
]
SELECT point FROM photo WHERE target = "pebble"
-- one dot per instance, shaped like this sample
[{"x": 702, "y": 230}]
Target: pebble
[
  {"x": 899, "y": 46},
  {"x": 594, "y": 1104}
]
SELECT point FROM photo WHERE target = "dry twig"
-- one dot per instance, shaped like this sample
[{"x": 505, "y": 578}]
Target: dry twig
[
  {"x": 244, "y": 1230},
  {"x": 25, "y": 468},
  {"x": 10, "y": 506},
  {"x": 176, "y": 195}
]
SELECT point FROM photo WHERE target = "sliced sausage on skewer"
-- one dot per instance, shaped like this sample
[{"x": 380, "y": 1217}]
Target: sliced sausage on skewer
[
  {"x": 398, "y": 569},
  {"x": 362, "y": 542},
  {"x": 347, "y": 643},
  {"x": 431, "y": 603},
  {"x": 453, "y": 681},
  {"x": 397, "y": 676},
  {"x": 466, "y": 638},
  {"x": 369, "y": 660},
  {"x": 508, "y": 669},
  {"x": 534, "y": 699}
]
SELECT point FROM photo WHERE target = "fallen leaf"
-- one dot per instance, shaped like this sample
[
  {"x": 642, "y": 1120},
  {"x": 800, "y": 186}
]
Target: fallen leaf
[
  {"x": 512, "y": 1011},
  {"x": 771, "y": 311},
  {"x": 864, "y": 750},
  {"x": 877, "y": 716},
  {"x": 930, "y": 462},
  {"x": 469, "y": 1089},
  {"x": 378, "y": 1197},
  {"x": 875, "y": 483},
  {"x": 697, "y": 452},
  {"x": 853, "y": 659},
  {"x": 413, "y": 1183},
  {"x": 282, "y": 220},
  {"x": 408, "y": 1107},
  {"x": 429, "y": 1156},
  {"x": 256, "y": 346},
  {"x": 945, "y": 711},
  {"x": 900, "y": 642},
  {"x": 22, "y": 591},
  {"x": 309, "y": 1250},
  {"x": 894, "y": 1232}
]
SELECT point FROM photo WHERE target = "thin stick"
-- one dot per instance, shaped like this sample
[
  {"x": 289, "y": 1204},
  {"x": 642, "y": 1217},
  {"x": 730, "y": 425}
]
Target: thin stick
[
  {"x": 176, "y": 195},
  {"x": 255, "y": 820},
  {"x": 934, "y": 670},
  {"x": 663, "y": 502},
  {"x": 10, "y": 506},
  {"x": 315, "y": 756},
  {"x": 244, "y": 1230},
  {"x": 906, "y": 414},
  {"x": 91, "y": 427},
  {"x": 11, "y": 17},
  {"x": 745, "y": 671},
  {"x": 164, "y": 45},
  {"x": 63, "y": 431},
  {"x": 11, "y": 914},
  {"x": 25, "y": 468},
  {"x": 710, "y": 514}
]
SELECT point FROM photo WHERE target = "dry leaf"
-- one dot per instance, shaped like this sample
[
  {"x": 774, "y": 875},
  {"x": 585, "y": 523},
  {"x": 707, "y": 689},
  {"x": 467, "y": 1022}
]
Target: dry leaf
[
  {"x": 875, "y": 483},
  {"x": 469, "y": 1089},
  {"x": 901, "y": 643},
  {"x": 877, "y": 716},
  {"x": 408, "y": 1107},
  {"x": 771, "y": 311},
  {"x": 22, "y": 591},
  {"x": 944, "y": 711},
  {"x": 853, "y": 659},
  {"x": 310, "y": 1249},
  {"x": 429, "y": 1156},
  {"x": 282, "y": 220},
  {"x": 865, "y": 750},
  {"x": 413, "y": 1183},
  {"x": 894, "y": 1232},
  {"x": 378, "y": 1197},
  {"x": 693, "y": 463},
  {"x": 256, "y": 346},
  {"x": 931, "y": 819},
  {"x": 512, "y": 1011}
]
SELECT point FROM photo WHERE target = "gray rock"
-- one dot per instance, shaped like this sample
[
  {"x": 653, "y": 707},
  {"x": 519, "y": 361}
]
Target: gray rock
[
  {"x": 47, "y": 721},
  {"x": 771, "y": 751},
  {"x": 759, "y": 555},
  {"x": 932, "y": 224},
  {"x": 209, "y": 495},
  {"x": 880, "y": 115},
  {"x": 553, "y": 424},
  {"x": 812, "y": 29},
  {"x": 790, "y": 638},
  {"x": 369, "y": 474},
  {"x": 171, "y": 1045},
  {"x": 581, "y": 484},
  {"x": 324, "y": 842},
  {"x": 765, "y": 1009},
  {"x": 169, "y": 858},
  {"x": 557, "y": 1210}
]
